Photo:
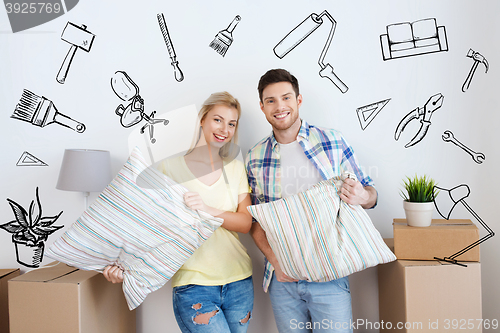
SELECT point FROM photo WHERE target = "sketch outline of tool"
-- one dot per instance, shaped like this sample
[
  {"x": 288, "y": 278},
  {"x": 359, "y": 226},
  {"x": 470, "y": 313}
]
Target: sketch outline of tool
[
  {"x": 477, "y": 157},
  {"x": 423, "y": 114},
  {"x": 224, "y": 38},
  {"x": 478, "y": 58},
  {"x": 375, "y": 108},
  {"x": 178, "y": 75},
  {"x": 28, "y": 159},
  {"x": 300, "y": 33},
  {"x": 40, "y": 111},
  {"x": 70, "y": 34}
]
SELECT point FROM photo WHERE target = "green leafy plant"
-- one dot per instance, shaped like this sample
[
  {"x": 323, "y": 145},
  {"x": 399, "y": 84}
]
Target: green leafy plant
[
  {"x": 30, "y": 228},
  {"x": 419, "y": 189}
]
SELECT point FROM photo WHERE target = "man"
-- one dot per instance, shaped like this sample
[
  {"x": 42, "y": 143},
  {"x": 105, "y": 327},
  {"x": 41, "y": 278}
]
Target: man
[{"x": 292, "y": 158}]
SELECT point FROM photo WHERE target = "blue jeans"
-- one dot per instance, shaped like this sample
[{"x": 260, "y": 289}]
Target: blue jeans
[
  {"x": 214, "y": 309},
  {"x": 304, "y": 307}
]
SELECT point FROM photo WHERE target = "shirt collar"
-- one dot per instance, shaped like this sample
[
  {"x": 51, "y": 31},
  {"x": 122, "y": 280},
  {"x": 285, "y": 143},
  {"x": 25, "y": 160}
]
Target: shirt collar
[{"x": 303, "y": 134}]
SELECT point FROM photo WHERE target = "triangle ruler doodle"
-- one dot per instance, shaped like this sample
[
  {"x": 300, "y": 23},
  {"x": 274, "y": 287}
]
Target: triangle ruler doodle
[
  {"x": 28, "y": 159},
  {"x": 367, "y": 113}
]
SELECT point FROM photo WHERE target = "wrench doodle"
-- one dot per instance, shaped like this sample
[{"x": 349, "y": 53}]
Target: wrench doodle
[{"x": 449, "y": 137}]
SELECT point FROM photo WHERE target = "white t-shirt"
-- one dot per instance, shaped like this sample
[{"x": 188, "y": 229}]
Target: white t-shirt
[{"x": 297, "y": 172}]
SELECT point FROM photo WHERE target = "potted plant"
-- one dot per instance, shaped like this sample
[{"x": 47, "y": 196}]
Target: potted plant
[
  {"x": 30, "y": 231},
  {"x": 419, "y": 200}
]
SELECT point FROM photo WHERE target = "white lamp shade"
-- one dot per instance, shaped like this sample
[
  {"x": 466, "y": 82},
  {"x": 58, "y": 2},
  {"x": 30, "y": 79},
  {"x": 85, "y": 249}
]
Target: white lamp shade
[{"x": 84, "y": 170}]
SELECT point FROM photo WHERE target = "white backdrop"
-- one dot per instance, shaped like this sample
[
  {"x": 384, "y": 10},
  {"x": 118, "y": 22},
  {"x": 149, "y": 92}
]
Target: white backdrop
[{"x": 128, "y": 39}]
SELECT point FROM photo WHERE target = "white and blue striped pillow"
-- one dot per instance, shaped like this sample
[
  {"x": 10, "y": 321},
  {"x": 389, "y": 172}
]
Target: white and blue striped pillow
[
  {"x": 139, "y": 222},
  {"x": 317, "y": 237}
]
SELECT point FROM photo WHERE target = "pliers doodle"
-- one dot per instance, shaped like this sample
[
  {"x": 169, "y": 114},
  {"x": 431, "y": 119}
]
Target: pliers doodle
[{"x": 424, "y": 114}]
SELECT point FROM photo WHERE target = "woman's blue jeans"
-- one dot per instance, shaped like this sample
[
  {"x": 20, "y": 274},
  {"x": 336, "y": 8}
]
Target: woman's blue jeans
[
  {"x": 304, "y": 307},
  {"x": 214, "y": 309}
]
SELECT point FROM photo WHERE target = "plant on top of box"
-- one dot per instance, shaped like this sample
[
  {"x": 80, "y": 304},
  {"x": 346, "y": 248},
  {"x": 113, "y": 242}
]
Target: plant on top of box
[
  {"x": 419, "y": 200},
  {"x": 30, "y": 231}
]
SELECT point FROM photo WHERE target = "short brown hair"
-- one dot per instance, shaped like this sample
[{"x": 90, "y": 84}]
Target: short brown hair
[{"x": 275, "y": 76}]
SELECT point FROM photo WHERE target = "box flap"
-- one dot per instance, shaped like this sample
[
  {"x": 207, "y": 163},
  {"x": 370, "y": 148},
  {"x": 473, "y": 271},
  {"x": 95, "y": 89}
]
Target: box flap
[
  {"x": 439, "y": 222},
  {"x": 6, "y": 271},
  {"x": 44, "y": 274}
]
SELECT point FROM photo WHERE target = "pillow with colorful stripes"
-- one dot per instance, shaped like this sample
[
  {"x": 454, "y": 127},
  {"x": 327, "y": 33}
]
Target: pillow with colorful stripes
[
  {"x": 140, "y": 223},
  {"x": 318, "y": 237}
]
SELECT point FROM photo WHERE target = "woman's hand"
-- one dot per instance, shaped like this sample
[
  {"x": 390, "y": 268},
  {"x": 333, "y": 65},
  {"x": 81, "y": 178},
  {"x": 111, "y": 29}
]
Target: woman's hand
[
  {"x": 113, "y": 273},
  {"x": 194, "y": 201}
]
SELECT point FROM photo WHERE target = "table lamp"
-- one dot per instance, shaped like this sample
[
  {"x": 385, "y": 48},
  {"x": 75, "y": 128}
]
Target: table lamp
[{"x": 85, "y": 170}]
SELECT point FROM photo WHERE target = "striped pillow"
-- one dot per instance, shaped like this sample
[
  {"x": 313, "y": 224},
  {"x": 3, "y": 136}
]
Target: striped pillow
[
  {"x": 317, "y": 237},
  {"x": 139, "y": 222}
]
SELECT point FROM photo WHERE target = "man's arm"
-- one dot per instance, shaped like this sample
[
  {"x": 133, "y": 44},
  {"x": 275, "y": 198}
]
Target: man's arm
[
  {"x": 352, "y": 192},
  {"x": 260, "y": 239}
]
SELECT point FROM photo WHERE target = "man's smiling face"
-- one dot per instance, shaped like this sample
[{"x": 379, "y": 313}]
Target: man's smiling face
[{"x": 280, "y": 105}]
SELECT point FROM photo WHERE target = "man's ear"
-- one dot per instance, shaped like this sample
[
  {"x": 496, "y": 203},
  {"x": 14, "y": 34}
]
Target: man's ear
[
  {"x": 261, "y": 106},
  {"x": 299, "y": 100}
]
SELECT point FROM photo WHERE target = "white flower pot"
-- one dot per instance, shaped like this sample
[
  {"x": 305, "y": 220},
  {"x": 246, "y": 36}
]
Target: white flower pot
[{"x": 418, "y": 214}]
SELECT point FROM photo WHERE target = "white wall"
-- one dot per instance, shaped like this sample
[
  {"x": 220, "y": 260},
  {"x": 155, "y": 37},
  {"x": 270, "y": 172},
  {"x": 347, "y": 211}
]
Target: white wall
[{"x": 128, "y": 39}]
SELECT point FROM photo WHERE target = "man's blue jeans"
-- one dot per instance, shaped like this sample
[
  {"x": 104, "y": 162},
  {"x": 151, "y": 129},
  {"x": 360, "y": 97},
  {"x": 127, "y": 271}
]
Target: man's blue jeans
[
  {"x": 214, "y": 309},
  {"x": 304, "y": 307}
]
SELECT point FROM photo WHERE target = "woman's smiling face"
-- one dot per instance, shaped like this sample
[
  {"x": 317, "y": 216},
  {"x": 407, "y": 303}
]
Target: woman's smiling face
[{"x": 219, "y": 125}]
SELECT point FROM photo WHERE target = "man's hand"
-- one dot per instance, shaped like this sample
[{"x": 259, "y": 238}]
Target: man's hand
[
  {"x": 353, "y": 193},
  {"x": 113, "y": 274},
  {"x": 280, "y": 275}
]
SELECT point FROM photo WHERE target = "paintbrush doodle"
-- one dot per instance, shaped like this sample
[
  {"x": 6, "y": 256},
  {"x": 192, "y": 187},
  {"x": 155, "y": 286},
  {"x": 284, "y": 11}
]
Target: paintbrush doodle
[
  {"x": 179, "y": 76},
  {"x": 28, "y": 159},
  {"x": 79, "y": 38},
  {"x": 224, "y": 38},
  {"x": 449, "y": 137},
  {"x": 410, "y": 39},
  {"x": 367, "y": 113},
  {"x": 478, "y": 58},
  {"x": 40, "y": 111},
  {"x": 126, "y": 89},
  {"x": 30, "y": 231},
  {"x": 300, "y": 33}
]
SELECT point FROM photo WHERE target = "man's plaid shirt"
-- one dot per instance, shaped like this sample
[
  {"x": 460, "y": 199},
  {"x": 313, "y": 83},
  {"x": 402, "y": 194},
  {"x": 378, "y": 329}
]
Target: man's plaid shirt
[{"x": 325, "y": 148}]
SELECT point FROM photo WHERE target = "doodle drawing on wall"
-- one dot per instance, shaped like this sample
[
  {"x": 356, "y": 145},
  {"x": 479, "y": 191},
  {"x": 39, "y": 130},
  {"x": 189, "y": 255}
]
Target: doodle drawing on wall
[
  {"x": 30, "y": 231},
  {"x": 367, "y": 113},
  {"x": 300, "y": 33},
  {"x": 178, "y": 75},
  {"x": 133, "y": 113},
  {"x": 423, "y": 114},
  {"x": 410, "y": 39},
  {"x": 40, "y": 111},
  {"x": 449, "y": 137},
  {"x": 28, "y": 159},
  {"x": 478, "y": 58},
  {"x": 224, "y": 38},
  {"x": 79, "y": 38}
]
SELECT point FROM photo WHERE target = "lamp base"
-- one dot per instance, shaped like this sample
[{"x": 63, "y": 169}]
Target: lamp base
[{"x": 451, "y": 261}]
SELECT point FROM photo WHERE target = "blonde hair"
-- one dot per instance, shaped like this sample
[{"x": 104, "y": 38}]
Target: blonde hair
[{"x": 230, "y": 150}]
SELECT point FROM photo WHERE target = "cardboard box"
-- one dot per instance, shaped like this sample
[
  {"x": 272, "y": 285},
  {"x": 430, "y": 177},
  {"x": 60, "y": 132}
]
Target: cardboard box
[
  {"x": 429, "y": 296},
  {"x": 67, "y": 300},
  {"x": 442, "y": 239},
  {"x": 5, "y": 275}
]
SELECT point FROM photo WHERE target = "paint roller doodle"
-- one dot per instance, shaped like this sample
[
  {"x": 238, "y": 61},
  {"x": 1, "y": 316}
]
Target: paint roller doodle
[
  {"x": 133, "y": 113},
  {"x": 40, "y": 111},
  {"x": 179, "y": 76},
  {"x": 79, "y": 38},
  {"x": 301, "y": 32}
]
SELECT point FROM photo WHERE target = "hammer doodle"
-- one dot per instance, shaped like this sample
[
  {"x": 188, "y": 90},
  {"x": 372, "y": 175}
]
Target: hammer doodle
[
  {"x": 224, "y": 38},
  {"x": 28, "y": 159},
  {"x": 133, "y": 113},
  {"x": 41, "y": 112},
  {"x": 423, "y": 114},
  {"x": 410, "y": 39},
  {"x": 478, "y": 58},
  {"x": 449, "y": 137},
  {"x": 30, "y": 231},
  {"x": 179, "y": 76},
  {"x": 367, "y": 113},
  {"x": 79, "y": 38},
  {"x": 300, "y": 33}
]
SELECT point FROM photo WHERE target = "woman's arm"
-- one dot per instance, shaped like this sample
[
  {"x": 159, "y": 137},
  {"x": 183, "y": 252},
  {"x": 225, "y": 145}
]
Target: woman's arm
[{"x": 239, "y": 221}]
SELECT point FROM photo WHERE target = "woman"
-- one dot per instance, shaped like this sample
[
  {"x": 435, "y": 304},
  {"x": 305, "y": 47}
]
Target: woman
[{"x": 213, "y": 290}]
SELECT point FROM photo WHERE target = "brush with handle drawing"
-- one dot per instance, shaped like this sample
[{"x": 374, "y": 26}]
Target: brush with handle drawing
[
  {"x": 179, "y": 76},
  {"x": 41, "y": 112},
  {"x": 224, "y": 38}
]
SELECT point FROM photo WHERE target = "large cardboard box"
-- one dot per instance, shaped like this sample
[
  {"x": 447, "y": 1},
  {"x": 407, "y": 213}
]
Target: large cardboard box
[
  {"x": 442, "y": 239},
  {"x": 5, "y": 275},
  {"x": 429, "y": 296},
  {"x": 67, "y": 300}
]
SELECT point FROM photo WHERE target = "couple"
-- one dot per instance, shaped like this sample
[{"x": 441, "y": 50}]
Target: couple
[{"x": 213, "y": 290}]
